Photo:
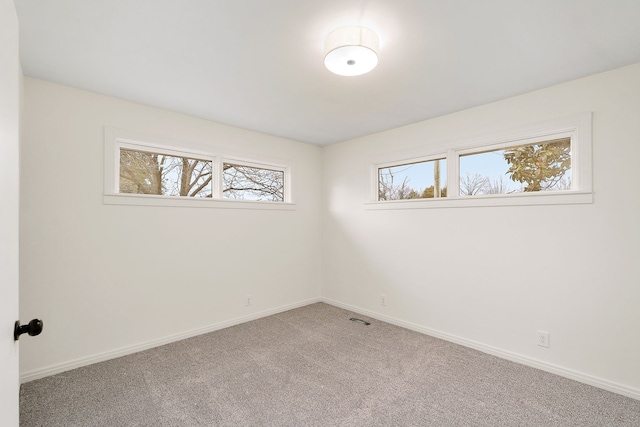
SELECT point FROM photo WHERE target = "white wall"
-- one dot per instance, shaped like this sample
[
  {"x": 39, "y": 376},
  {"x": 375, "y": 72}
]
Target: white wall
[
  {"x": 489, "y": 277},
  {"x": 10, "y": 82},
  {"x": 110, "y": 279},
  {"x": 103, "y": 281}
]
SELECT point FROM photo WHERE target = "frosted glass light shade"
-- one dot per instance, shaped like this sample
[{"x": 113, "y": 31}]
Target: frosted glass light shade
[{"x": 351, "y": 51}]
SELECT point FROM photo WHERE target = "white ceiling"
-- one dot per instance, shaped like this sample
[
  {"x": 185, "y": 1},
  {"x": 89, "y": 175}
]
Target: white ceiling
[{"x": 258, "y": 64}]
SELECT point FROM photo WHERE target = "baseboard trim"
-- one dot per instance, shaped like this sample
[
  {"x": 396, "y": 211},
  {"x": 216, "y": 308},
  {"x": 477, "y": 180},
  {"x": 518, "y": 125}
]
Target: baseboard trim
[
  {"x": 621, "y": 389},
  {"x": 611, "y": 386},
  {"x": 101, "y": 357}
]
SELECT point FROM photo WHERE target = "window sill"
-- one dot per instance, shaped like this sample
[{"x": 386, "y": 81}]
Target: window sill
[
  {"x": 520, "y": 199},
  {"x": 191, "y": 202}
]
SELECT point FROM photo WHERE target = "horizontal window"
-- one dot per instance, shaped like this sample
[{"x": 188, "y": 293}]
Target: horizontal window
[
  {"x": 542, "y": 164},
  {"x": 245, "y": 182},
  {"x": 144, "y": 172},
  {"x": 418, "y": 180},
  {"x": 140, "y": 172}
]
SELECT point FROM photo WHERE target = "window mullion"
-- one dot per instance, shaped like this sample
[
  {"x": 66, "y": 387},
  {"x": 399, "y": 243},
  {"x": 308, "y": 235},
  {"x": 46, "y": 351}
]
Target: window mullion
[
  {"x": 535, "y": 165},
  {"x": 217, "y": 178},
  {"x": 453, "y": 174}
]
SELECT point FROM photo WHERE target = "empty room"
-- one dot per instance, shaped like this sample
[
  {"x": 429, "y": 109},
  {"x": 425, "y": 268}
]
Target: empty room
[{"x": 319, "y": 213}]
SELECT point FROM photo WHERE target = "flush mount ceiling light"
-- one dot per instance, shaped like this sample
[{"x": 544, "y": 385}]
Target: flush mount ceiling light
[{"x": 351, "y": 51}]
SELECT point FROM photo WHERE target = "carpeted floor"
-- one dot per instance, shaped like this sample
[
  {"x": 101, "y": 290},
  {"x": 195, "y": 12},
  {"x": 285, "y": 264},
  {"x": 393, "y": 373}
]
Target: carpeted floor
[{"x": 313, "y": 367}]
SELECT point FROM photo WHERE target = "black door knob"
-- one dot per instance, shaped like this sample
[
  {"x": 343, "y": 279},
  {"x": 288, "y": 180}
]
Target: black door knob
[{"x": 33, "y": 328}]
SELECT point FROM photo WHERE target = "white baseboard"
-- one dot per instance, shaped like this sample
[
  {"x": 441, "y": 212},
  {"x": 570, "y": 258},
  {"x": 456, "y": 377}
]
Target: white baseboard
[
  {"x": 631, "y": 392},
  {"x": 611, "y": 386},
  {"x": 84, "y": 361}
]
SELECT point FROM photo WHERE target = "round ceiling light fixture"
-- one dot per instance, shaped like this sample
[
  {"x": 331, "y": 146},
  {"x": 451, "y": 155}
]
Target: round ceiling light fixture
[{"x": 351, "y": 51}]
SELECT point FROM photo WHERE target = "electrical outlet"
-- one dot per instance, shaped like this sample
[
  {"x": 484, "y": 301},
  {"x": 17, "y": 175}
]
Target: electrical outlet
[
  {"x": 383, "y": 300},
  {"x": 542, "y": 339},
  {"x": 247, "y": 301}
]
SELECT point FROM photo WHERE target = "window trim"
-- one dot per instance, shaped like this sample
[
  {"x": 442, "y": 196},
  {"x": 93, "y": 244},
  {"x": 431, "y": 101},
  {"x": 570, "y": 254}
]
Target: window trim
[
  {"x": 157, "y": 149},
  {"x": 375, "y": 171},
  {"x": 258, "y": 165},
  {"x": 577, "y": 127},
  {"x": 115, "y": 139}
]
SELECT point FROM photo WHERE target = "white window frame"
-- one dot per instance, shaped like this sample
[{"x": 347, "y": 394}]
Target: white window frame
[
  {"x": 375, "y": 171},
  {"x": 578, "y": 128},
  {"x": 115, "y": 139},
  {"x": 252, "y": 164},
  {"x": 156, "y": 149}
]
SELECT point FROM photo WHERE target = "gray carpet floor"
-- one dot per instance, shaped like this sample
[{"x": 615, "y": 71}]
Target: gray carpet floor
[{"x": 313, "y": 367}]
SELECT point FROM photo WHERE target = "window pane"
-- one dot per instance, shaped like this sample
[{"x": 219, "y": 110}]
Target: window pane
[
  {"x": 420, "y": 180},
  {"x": 252, "y": 183},
  {"x": 143, "y": 172},
  {"x": 544, "y": 166}
]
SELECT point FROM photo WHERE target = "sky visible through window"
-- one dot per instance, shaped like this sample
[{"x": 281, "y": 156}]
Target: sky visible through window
[
  {"x": 490, "y": 165},
  {"x": 480, "y": 173},
  {"x": 420, "y": 175},
  {"x": 145, "y": 172}
]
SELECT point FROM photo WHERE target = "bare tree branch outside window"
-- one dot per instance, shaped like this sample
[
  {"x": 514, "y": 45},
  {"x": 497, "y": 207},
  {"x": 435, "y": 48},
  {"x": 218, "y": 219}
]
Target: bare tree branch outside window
[
  {"x": 544, "y": 166},
  {"x": 143, "y": 172},
  {"x": 252, "y": 183},
  {"x": 472, "y": 184},
  {"x": 394, "y": 182}
]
